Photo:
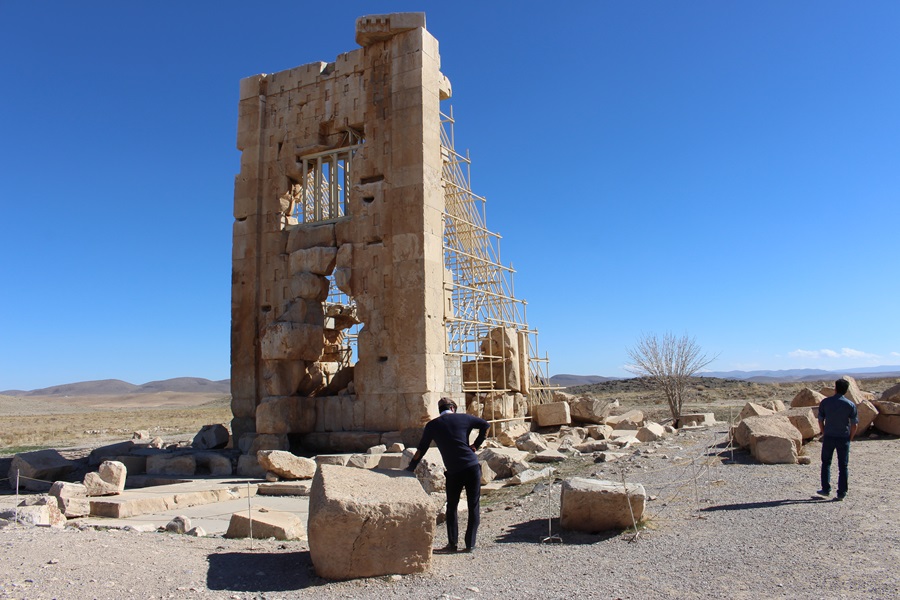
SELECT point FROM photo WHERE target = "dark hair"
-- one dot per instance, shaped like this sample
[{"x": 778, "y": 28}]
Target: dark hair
[
  {"x": 446, "y": 404},
  {"x": 841, "y": 386}
]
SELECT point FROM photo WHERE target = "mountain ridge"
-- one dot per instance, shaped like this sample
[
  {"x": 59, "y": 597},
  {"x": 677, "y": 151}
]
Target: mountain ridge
[{"x": 117, "y": 387}]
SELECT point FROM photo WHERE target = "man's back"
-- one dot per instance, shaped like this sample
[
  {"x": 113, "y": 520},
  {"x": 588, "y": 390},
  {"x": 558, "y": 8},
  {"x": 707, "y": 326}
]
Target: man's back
[
  {"x": 450, "y": 432},
  {"x": 838, "y": 413}
]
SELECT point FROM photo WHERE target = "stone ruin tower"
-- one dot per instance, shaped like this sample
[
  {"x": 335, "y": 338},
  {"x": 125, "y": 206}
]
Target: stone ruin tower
[{"x": 365, "y": 284}]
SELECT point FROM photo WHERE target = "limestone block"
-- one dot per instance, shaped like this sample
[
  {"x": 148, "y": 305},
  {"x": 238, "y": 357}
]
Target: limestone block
[
  {"x": 309, "y": 286},
  {"x": 501, "y": 342},
  {"x": 599, "y": 432},
  {"x": 264, "y": 523},
  {"x": 498, "y": 406},
  {"x": 651, "y": 432},
  {"x": 292, "y": 341},
  {"x": 592, "y": 446},
  {"x": 318, "y": 260},
  {"x": 589, "y": 410},
  {"x": 72, "y": 508},
  {"x": 548, "y": 415},
  {"x": 282, "y": 377},
  {"x": 774, "y": 405},
  {"x": 211, "y": 437},
  {"x": 109, "y": 480},
  {"x": 38, "y": 510},
  {"x": 867, "y": 413},
  {"x": 197, "y": 531},
  {"x": 771, "y": 438},
  {"x": 98, "y": 455},
  {"x": 886, "y": 407},
  {"x": 508, "y": 432},
  {"x": 395, "y": 446},
  {"x": 264, "y": 441},
  {"x": 548, "y": 456},
  {"x": 888, "y": 423},
  {"x": 620, "y": 433},
  {"x": 333, "y": 459},
  {"x": 365, "y": 524},
  {"x": 531, "y": 475},
  {"x": 379, "y": 449},
  {"x": 214, "y": 464},
  {"x": 284, "y": 488},
  {"x": 142, "y": 435},
  {"x": 892, "y": 394},
  {"x": 38, "y": 470},
  {"x": 697, "y": 420},
  {"x": 804, "y": 419},
  {"x": 531, "y": 442},
  {"x": 430, "y": 470},
  {"x": 806, "y": 397},
  {"x": 364, "y": 461},
  {"x": 752, "y": 409},
  {"x": 287, "y": 465},
  {"x": 632, "y": 419},
  {"x": 248, "y": 466},
  {"x": 598, "y": 505},
  {"x": 171, "y": 464},
  {"x": 505, "y": 462},
  {"x": 282, "y": 415},
  {"x": 392, "y": 460}
]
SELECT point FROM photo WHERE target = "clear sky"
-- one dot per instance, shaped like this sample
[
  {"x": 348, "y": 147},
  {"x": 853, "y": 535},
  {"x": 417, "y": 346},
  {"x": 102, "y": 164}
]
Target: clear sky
[{"x": 730, "y": 170}]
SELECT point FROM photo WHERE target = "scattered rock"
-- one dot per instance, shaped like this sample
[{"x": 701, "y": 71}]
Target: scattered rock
[
  {"x": 286, "y": 465},
  {"x": 599, "y": 505},
  {"x": 179, "y": 524}
]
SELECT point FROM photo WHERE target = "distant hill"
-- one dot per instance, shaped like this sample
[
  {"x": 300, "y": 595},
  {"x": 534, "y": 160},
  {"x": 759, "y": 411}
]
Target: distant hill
[
  {"x": 788, "y": 375},
  {"x": 116, "y": 387},
  {"x": 573, "y": 380}
]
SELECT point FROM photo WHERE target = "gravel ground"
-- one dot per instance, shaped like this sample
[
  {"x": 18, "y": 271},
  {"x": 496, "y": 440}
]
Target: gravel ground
[{"x": 744, "y": 530}]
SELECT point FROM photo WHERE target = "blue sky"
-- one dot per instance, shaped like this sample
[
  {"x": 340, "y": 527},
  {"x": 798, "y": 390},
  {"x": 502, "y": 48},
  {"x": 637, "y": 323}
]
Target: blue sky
[{"x": 723, "y": 169}]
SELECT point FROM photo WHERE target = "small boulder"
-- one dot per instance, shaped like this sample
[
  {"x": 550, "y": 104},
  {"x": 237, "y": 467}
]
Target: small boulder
[
  {"x": 632, "y": 419},
  {"x": 180, "y": 524},
  {"x": 889, "y": 424},
  {"x": 651, "y": 432},
  {"x": 286, "y": 465},
  {"x": 211, "y": 437},
  {"x": 552, "y": 414},
  {"x": 589, "y": 410},
  {"x": 505, "y": 462},
  {"x": 892, "y": 394},
  {"x": 804, "y": 419},
  {"x": 263, "y": 523},
  {"x": 531, "y": 442},
  {"x": 108, "y": 480},
  {"x": 592, "y": 505},
  {"x": 752, "y": 409},
  {"x": 806, "y": 397}
]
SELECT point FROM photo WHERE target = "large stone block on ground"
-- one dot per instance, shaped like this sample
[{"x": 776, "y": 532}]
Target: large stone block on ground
[
  {"x": 211, "y": 437},
  {"x": 430, "y": 470},
  {"x": 752, "y": 409},
  {"x": 171, "y": 464},
  {"x": 37, "y": 510},
  {"x": 287, "y": 465},
  {"x": 266, "y": 524},
  {"x": 71, "y": 498},
  {"x": 771, "y": 439},
  {"x": 589, "y": 410},
  {"x": 531, "y": 442},
  {"x": 108, "y": 480},
  {"x": 38, "y": 470},
  {"x": 98, "y": 455},
  {"x": 549, "y": 415},
  {"x": 807, "y": 397},
  {"x": 508, "y": 432},
  {"x": 867, "y": 413},
  {"x": 633, "y": 419},
  {"x": 804, "y": 419},
  {"x": 892, "y": 394},
  {"x": 888, "y": 424},
  {"x": 886, "y": 407},
  {"x": 505, "y": 462},
  {"x": 366, "y": 524},
  {"x": 593, "y": 505},
  {"x": 651, "y": 432}
]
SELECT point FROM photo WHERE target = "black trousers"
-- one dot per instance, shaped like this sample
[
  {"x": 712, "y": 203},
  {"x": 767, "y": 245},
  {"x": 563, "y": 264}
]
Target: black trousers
[
  {"x": 829, "y": 446},
  {"x": 470, "y": 479}
]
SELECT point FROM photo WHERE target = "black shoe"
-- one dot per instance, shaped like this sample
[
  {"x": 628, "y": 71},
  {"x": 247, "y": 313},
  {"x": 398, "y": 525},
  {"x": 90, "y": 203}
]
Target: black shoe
[
  {"x": 468, "y": 550},
  {"x": 448, "y": 549},
  {"x": 840, "y": 497},
  {"x": 825, "y": 493}
]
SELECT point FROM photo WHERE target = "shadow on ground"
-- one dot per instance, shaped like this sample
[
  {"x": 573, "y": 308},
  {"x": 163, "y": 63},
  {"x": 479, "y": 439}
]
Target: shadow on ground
[
  {"x": 767, "y": 504},
  {"x": 538, "y": 531},
  {"x": 261, "y": 572}
]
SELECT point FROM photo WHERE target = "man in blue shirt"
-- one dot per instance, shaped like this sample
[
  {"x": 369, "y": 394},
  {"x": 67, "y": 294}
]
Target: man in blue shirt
[
  {"x": 450, "y": 431},
  {"x": 838, "y": 420}
]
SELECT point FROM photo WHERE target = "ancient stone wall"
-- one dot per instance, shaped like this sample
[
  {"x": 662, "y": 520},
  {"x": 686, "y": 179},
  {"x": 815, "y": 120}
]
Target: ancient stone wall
[{"x": 340, "y": 180}]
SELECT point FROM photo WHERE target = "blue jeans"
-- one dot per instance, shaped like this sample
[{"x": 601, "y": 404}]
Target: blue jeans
[
  {"x": 470, "y": 479},
  {"x": 829, "y": 445}
]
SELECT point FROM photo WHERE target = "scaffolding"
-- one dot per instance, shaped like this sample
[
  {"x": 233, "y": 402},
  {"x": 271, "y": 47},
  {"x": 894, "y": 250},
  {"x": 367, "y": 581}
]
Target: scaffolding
[{"x": 481, "y": 292}]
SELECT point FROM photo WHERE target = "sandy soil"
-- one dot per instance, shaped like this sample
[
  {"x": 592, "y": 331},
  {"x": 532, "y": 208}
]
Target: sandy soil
[{"x": 717, "y": 529}]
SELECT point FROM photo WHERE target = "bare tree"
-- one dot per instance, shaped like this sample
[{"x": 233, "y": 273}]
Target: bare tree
[{"x": 669, "y": 362}]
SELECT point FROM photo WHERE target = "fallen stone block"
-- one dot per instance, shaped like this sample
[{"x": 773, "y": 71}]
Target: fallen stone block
[
  {"x": 211, "y": 437},
  {"x": 752, "y": 409},
  {"x": 98, "y": 455},
  {"x": 109, "y": 480},
  {"x": 632, "y": 419},
  {"x": 697, "y": 420},
  {"x": 771, "y": 439},
  {"x": 596, "y": 505},
  {"x": 589, "y": 410},
  {"x": 650, "y": 432},
  {"x": 287, "y": 465},
  {"x": 599, "y": 432},
  {"x": 592, "y": 446},
  {"x": 505, "y": 462},
  {"x": 886, "y": 407},
  {"x": 39, "y": 511},
  {"x": 364, "y": 461},
  {"x": 393, "y": 460},
  {"x": 284, "y": 488},
  {"x": 396, "y": 447},
  {"x": 379, "y": 449},
  {"x": 172, "y": 464},
  {"x": 430, "y": 470},
  {"x": 804, "y": 419},
  {"x": 547, "y": 456},
  {"x": 213, "y": 464},
  {"x": 530, "y": 475},
  {"x": 889, "y": 424},
  {"x": 867, "y": 413},
  {"x": 366, "y": 524},
  {"x": 196, "y": 532},
  {"x": 248, "y": 466},
  {"x": 487, "y": 473},
  {"x": 38, "y": 470},
  {"x": 552, "y": 414},
  {"x": 892, "y": 394},
  {"x": 807, "y": 397},
  {"x": 531, "y": 442},
  {"x": 774, "y": 405},
  {"x": 609, "y": 456},
  {"x": 263, "y": 523},
  {"x": 509, "y": 431},
  {"x": 333, "y": 459}
]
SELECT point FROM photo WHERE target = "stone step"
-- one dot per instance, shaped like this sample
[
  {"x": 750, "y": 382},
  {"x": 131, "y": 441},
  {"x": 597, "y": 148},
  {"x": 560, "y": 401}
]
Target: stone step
[{"x": 160, "y": 498}]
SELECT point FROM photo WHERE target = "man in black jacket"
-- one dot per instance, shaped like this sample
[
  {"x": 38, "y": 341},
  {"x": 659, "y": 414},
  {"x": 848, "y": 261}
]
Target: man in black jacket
[{"x": 450, "y": 431}]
